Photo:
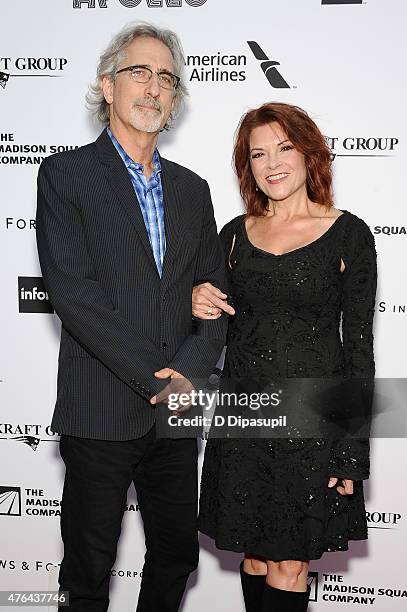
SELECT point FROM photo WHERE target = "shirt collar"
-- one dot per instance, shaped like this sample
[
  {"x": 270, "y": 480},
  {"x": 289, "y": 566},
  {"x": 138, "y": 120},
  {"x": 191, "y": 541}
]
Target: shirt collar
[{"x": 129, "y": 162}]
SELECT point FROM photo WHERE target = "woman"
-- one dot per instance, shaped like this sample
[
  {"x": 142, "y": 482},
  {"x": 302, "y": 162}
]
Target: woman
[{"x": 295, "y": 265}]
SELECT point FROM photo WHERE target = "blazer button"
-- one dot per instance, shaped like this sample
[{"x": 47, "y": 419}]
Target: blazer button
[{"x": 164, "y": 346}]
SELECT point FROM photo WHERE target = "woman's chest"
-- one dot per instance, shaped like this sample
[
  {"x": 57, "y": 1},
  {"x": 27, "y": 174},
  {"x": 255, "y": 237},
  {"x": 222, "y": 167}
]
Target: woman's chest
[{"x": 309, "y": 277}]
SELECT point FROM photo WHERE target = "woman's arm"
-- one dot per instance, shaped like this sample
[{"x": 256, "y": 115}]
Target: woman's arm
[{"x": 350, "y": 454}]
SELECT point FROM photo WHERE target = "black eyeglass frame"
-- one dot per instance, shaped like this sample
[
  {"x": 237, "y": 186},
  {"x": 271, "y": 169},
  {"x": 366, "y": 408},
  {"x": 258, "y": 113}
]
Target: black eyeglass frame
[{"x": 131, "y": 68}]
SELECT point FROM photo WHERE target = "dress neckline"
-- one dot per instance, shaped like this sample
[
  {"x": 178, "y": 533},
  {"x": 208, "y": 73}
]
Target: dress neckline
[{"x": 305, "y": 246}]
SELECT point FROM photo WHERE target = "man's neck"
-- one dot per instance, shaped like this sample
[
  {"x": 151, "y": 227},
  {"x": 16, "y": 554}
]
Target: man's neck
[{"x": 138, "y": 145}]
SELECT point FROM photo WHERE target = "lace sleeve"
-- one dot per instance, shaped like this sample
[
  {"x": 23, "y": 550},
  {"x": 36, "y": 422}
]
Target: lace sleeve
[{"x": 350, "y": 454}]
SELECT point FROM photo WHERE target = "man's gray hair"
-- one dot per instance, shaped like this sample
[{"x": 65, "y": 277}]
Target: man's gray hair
[{"x": 115, "y": 53}]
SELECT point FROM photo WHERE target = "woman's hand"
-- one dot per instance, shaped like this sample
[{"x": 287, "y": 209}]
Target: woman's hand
[
  {"x": 347, "y": 488},
  {"x": 208, "y": 302}
]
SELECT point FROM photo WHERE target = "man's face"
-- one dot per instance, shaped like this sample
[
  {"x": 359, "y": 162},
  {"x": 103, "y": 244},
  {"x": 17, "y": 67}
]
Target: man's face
[{"x": 144, "y": 106}]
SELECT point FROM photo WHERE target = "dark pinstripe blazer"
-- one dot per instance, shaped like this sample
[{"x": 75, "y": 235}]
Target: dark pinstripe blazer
[{"x": 120, "y": 321}]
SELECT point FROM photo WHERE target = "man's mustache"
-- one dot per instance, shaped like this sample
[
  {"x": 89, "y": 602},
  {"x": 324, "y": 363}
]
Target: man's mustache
[{"x": 150, "y": 103}]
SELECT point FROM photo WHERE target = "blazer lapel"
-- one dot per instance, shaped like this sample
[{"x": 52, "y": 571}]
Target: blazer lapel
[
  {"x": 120, "y": 182},
  {"x": 172, "y": 218}
]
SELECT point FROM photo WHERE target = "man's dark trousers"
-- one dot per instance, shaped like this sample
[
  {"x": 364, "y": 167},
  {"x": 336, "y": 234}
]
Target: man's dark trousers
[{"x": 98, "y": 474}]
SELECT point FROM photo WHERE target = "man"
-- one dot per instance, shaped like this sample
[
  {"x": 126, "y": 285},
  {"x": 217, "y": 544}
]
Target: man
[{"x": 123, "y": 235}]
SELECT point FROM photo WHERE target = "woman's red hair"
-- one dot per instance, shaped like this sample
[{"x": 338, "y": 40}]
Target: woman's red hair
[{"x": 306, "y": 138}]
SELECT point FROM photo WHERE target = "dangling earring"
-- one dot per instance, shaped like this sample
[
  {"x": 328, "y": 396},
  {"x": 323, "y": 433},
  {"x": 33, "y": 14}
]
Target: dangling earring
[{"x": 257, "y": 188}]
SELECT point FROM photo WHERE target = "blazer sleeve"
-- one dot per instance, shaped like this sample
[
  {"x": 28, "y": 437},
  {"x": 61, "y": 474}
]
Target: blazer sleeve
[
  {"x": 350, "y": 455},
  {"x": 85, "y": 310},
  {"x": 200, "y": 352}
]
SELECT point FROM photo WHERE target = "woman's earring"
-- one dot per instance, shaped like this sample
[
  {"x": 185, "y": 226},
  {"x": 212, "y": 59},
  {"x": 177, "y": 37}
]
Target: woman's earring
[{"x": 257, "y": 188}]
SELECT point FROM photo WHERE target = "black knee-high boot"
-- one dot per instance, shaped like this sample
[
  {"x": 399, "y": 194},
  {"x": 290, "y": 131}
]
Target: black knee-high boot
[
  {"x": 252, "y": 587},
  {"x": 277, "y": 600}
]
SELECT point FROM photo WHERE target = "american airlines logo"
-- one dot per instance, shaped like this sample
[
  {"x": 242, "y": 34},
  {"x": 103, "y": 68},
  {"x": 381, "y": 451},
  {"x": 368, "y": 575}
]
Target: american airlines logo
[
  {"x": 268, "y": 66},
  {"x": 32, "y": 296}
]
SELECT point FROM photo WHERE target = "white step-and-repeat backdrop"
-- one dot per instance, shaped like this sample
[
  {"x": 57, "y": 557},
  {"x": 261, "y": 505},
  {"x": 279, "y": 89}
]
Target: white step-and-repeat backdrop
[{"x": 344, "y": 62}]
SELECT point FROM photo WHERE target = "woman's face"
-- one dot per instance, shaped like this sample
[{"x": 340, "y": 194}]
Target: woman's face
[{"x": 278, "y": 168}]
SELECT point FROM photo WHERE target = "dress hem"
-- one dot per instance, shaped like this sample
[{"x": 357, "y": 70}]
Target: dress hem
[{"x": 266, "y": 555}]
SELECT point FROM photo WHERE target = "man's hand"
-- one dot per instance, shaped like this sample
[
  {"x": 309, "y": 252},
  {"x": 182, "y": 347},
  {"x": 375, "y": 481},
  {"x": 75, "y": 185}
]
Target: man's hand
[
  {"x": 178, "y": 384},
  {"x": 208, "y": 302},
  {"x": 347, "y": 488}
]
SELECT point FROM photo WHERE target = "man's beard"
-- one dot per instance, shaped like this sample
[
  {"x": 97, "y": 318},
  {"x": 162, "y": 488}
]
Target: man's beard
[{"x": 146, "y": 120}]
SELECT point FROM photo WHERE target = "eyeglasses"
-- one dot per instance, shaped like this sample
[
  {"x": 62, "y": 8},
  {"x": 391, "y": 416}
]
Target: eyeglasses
[{"x": 142, "y": 74}]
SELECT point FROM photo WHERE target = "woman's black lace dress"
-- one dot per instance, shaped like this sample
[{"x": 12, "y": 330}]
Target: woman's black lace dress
[{"x": 269, "y": 497}]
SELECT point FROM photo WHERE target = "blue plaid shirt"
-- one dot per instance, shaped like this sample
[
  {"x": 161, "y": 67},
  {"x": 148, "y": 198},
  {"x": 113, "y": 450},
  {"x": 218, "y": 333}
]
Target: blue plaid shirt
[{"x": 150, "y": 196}]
